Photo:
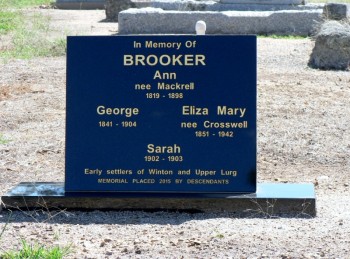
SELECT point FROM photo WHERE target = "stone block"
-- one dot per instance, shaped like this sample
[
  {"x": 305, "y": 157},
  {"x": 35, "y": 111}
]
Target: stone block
[
  {"x": 334, "y": 11},
  {"x": 114, "y": 7},
  {"x": 158, "y": 21},
  {"x": 332, "y": 47}
]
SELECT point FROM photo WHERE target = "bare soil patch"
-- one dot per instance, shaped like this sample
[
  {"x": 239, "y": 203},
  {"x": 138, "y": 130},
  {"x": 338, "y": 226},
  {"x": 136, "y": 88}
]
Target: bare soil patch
[{"x": 303, "y": 136}]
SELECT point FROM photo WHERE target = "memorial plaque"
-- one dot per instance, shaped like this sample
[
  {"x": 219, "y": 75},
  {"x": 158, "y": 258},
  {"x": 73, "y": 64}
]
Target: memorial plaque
[{"x": 169, "y": 114}]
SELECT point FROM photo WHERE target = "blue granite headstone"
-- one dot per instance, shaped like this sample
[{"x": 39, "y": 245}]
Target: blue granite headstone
[{"x": 172, "y": 114}]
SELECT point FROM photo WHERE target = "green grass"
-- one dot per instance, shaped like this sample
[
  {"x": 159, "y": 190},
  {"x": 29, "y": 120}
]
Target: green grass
[
  {"x": 37, "y": 251},
  {"x": 23, "y": 3},
  {"x": 8, "y": 21},
  {"x": 31, "y": 39},
  {"x": 3, "y": 140},
  {"x": 29, "y": 35},
  {"x": 220, "y": 236}
]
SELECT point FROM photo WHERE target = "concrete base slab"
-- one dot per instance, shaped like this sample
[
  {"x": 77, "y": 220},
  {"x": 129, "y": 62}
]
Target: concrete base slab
[
  {"x": 158, "y": 21},
  {"x": 80, "y": 4},
  {"x": 269, "y": 200},
  {"x": 209, "y": 5}
]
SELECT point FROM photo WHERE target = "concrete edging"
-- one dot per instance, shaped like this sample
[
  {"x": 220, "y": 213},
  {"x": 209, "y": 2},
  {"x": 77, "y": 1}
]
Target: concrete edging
[{"x": 158, "y": 21}]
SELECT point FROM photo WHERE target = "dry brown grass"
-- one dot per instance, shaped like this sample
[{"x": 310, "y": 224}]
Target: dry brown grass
[{"x": 8, "y": 92}]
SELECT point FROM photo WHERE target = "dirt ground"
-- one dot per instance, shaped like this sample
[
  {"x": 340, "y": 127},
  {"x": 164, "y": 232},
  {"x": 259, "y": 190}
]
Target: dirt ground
[{"x": 303, "y": 136}]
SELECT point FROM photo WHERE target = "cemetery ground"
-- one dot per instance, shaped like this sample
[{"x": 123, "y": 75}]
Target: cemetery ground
[{"x": 303, "y": 136}]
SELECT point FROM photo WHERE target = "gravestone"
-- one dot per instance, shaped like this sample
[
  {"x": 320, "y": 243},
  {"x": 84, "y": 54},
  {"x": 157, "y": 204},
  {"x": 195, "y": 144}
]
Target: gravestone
[
  {"x": 173, "y": 114},
  {"x": 162, "y": 123}
]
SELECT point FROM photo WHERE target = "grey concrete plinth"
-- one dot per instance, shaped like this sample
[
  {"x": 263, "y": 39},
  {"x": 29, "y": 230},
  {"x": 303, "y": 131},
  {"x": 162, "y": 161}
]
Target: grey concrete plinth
[
  {"x": 190, "y": 5},
  {"x": 113, "y": 7},
  {"x": 270, "y": 199},
  {"x": 158, "y": 21},
  {"x": 80, "y": 4}
]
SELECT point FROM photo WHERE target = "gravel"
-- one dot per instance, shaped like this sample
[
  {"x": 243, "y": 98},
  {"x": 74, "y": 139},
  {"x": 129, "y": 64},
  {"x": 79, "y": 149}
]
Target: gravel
[{"x": 303, "y": 122}]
